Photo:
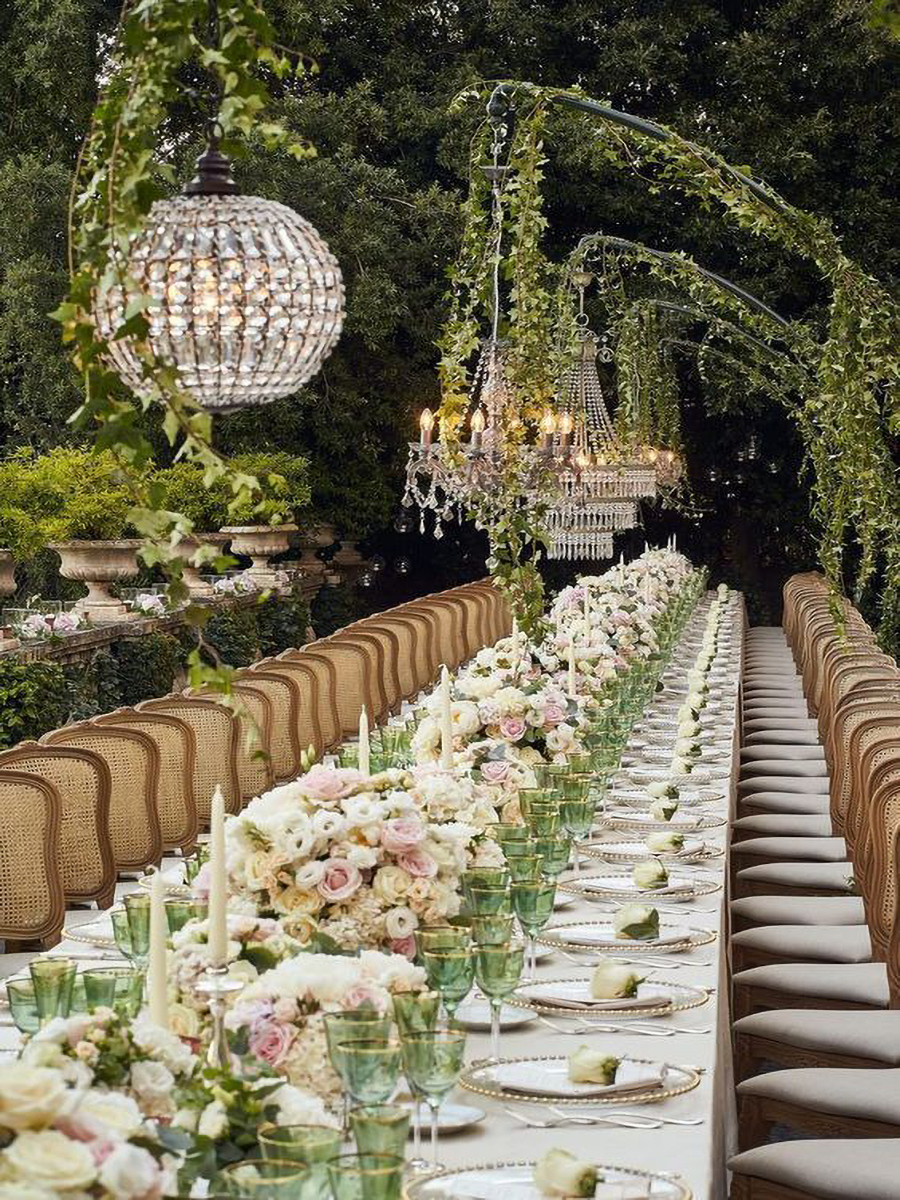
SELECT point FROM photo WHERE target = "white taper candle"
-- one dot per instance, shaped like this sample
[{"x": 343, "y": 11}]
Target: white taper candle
[
  {"x": 365, "y": 749},
  {"x": 446, "y": 722},
  {"x": 217, "y": 937},
  {"x": 572, "y": 676},
  {"x": 157, "y": 999}
]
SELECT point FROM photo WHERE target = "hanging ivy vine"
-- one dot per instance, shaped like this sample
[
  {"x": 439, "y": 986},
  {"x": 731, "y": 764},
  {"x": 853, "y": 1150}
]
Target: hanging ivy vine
[
  {"x": 841, "y": 375},
  {"x": 123, "y": 168}
]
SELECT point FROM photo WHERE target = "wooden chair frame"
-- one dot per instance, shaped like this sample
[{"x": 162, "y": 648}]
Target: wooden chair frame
[{"x": 46, "y": 932}]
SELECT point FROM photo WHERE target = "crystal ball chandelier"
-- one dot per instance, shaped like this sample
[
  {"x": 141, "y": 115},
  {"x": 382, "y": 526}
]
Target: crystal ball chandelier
[{"x": 248, "y": 299}]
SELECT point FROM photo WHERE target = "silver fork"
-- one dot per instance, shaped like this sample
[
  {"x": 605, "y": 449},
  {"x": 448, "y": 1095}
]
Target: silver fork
[
  {"x": 626, "y": 1027},
  {"x": 669, "y": 964},
  {"x": 621, "y": 1112},
  {"x": 570, "y": 1119}
]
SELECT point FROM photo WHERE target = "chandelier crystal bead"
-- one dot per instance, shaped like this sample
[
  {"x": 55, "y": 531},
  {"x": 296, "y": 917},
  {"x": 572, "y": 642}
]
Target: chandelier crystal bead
[{"x": 249, "y": 299}]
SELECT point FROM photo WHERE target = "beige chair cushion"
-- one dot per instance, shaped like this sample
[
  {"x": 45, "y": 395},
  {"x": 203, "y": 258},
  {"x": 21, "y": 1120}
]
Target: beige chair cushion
[
  {"x": 870, "y": 1094},
  {"x": 813, "y": 849},
  {"x": 783, "y": 783},
  {"x": 800, "y": 910},
  {"x": 858, "y": 983},
  {"x": 808, "y": 876},
  {"x": 836, "y": 1169},
  {"x": 816, "y": 943},
  {"x": 767, "y": 735},
  {"x": 787, "y": 824},
  {"x": 788, "y": 752},
  {"x": 804, "y": 768},
  {"x": 858, "y": 1034},
  {"x": 786, "y": 802}
]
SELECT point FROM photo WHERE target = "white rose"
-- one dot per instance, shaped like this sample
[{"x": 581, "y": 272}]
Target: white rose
[
  {"x": 129, "y": 1172},
  {"x": 152, "y": 1084},
  {"x": 310, "y": 875},
  {"x": 664, "y": 843},
  {"x": 650, "y": 874},
  {"x": 25, "y": 1191},
  {"x": 638, "y": 922},
  {"x": 30, "y": 1097},
  {"x": 362, "y": 857},
  {"x": 116, "y": 1114},
  {"x": 681, "y": 766},
  {"x": 400, "y": 922},
  {"x": 611, "y": 981},
  {"x": 50, "y": 1160},
  {"x": 466, "y": 720},
  {"x": 213, "y": 1121},
  {"x": 587, "y": 1065},
  {"x": 663, "y": 809},
  {"x": 560, "y": 1173},
  {"x": 184, "y": 1021}
]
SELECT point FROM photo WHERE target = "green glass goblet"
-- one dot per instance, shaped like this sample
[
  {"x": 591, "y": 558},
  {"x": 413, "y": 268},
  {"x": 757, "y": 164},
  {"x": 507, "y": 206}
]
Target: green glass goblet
[
  {"x": 524, "y": 867},
  {"x": 556, "y": 852},
  {"x": 263, "y": 1179},
  {"x": 543, "y": 821},
  {"x": 451, "y": 973},
  {"x": 579, "y": 761},
  {"x": 484, "y": 877},
  {"x": 440, "y": 937},
  {"x": 577, "y": 820},
  {"x": 433, "y": 1062},
  {"x": 54, "y": 984},
  {"x": 179, "y": 912},
  {"x": 313, "y": 1145},
  {"x": 533, "y": 905},
  {"x": 369, "y": 1068},
  {"x": 362, "y": 1023},
  {"x": 137, "y": 910},
  {"x": 492, "y": 930},
  {"x": 528, "y": 797},
  {"x": 498, "y": 970},
  {"x": 23, "y": 1005},
  {"x": 416, "y": 1012},
  {"x": 366, "y": 1176},
  {"x": 380, "y": 1128},
  {"x": 486, "y": 901},
  {"x": 504, "y": 831}
]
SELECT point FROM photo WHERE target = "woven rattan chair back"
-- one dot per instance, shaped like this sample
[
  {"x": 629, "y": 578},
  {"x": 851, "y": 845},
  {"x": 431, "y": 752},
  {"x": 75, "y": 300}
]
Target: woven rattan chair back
[
  {"x": 874, "y": 746},
  {"x": 856, "y": 665},
  {"x": 176, "y": 807},
  {"x": 322, "y": 674},
  {"x": 425, "y": 624},
  {"x": 877, "y": 872},
  {"x": 402, "y": 635},
  {"x": 391, "y": 650},
  {"x": 215, "y": 735},
  {"x": 133, "y": 761},
  {"x": 32, "y": 907},
  {"x": 81, "y": 779},
  {"x": 476, "y": 618},
  {"x": 848, "y": 727},
  {"x": 378, "y": 703},
  {"x": 255, "y": 724},
  {"x": 285, "y": 697},
  {"x": 353, "y": 686},
  {"x": 305, "y": 681}
]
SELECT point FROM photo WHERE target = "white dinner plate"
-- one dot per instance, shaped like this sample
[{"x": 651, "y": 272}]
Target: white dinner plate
[
  {"x": 600, "y": 936},
  {"x": 475, "y": 1014},
  {"x": 515, "y": 1181},
  {"x": 542, "y": 1078},
  {"x": 452, "y": 1118},
  {"x": 655, "y": 998}
]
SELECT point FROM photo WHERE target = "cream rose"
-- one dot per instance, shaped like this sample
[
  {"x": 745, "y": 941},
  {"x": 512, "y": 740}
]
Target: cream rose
[
  {"x": 31, "y": 1097},
  {"x": 611, "y": 981},
  {"x": 391, "y": 885},
  {"x": 560, "y": 1173},
  {"x": 152, "y": 1084},
  {"x": 184, "y": 1021},
  {"x": 638, "y": 922},
  {"x": 650, "y": 874},
  {"x": 664, "y": 843},
  {"x": 587, "y": 1065},
  {"x": 130, "y": 1173},
  {"x": 50, "y": 1160}
]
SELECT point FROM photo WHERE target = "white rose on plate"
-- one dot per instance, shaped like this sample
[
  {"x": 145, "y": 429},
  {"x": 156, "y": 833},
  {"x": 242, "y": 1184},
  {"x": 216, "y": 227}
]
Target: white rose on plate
[
  {"x": 636, "y": 922},
  {"x": 50, "y": 1160},
  {"x": 664, "y": 843},
  {"x": 663, "y": 810},
  {"x": 587, "y": 1065},
  {"x": 662, "y": 790},
  {"x": 31, "y": 1097},
  {"x": 687, "y": 747},
  {"x": 650, "y": 874},
  {"x": 560, "y": 1173},
  {"x": 681, "y": 766},
  {"x": 687, "y": 727},
  {"x": 611, "y": 981}
]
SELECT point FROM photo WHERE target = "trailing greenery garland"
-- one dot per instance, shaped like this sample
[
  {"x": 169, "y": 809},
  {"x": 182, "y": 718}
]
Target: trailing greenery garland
[{"x": 843, "y": 374}]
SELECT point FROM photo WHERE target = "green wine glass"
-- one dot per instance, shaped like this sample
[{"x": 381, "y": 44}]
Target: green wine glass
[
  {"x": 263, "y": 1179},
  {"x": 452, "y": 973},
  {"x": 492, "y": 930},
  {"x": 54, "y": 984},
  {"x": 366, "y": 1176},
  {"x": 416, "y": 1012},
  {"x": 433, "y": 1063},
  {"x": 137, "y": 910},
  {"x": 533, "y": 905},
  {"x": 577, "y": 817},
  {"x": 23, "y": 1005},
  {"x": 368, "y": 1067},
  {"x": 362, "y": 1023},
  {"x": 498, "y": 970},
  {"x": 179, "y": 912},
  {"x": 485, "y": 901},
  {"x": 441, "y": 937},
  {"x": 312, "y": 1145},
  {"x": 380, "y": 1129},
  {"x": 556, "y": 852},
  {"x": 523, "y": 867}
]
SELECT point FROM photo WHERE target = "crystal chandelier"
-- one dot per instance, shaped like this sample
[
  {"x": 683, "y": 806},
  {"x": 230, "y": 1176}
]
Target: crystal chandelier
[{"x": 248, "y": 299}]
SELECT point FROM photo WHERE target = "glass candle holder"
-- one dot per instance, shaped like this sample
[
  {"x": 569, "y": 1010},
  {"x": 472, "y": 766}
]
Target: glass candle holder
[
  {"x": 23, "y": 1005},
  {"x": 54, "y": 983}
]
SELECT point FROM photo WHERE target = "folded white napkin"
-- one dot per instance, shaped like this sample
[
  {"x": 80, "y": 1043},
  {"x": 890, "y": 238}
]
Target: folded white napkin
[
  {"x": 646, "y": 999},
  {"x": 670, "y": 938},
  {"x": 622, "y": 1191},
  {"x": 630, "y": 1077}
]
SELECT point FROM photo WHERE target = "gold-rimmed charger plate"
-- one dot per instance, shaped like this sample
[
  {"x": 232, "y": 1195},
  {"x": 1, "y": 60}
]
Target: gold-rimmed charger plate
[
  {"x": 673, "y": 997},
  {"x": 93, "y": 933},
  {"x": 516, "y": 1180},
  {"x": 603, "y": 887},
  {"x": 483, "y": 1078},
  {"x": 593, "y": 940},
  {"x": 632, "y": 852},
  {"x": 697, "y": 823},
  {"x": 176, "y": 890}
]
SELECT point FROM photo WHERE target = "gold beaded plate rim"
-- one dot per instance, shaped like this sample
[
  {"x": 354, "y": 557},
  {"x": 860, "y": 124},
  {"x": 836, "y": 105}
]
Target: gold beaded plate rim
[
  {"x": 413, "y": 1189},
  {"x": 701, "y": 887},
  {"x": 177, "y": 891},
  {"x": 698, "y": 937},
  {"x": 651, "y": 1096},
  {"x": 704, "y": 821},
  {"x": 99, "y": 940},
  {"x": 653, "y": 1013},
  {"x": 606, "y": 850}
]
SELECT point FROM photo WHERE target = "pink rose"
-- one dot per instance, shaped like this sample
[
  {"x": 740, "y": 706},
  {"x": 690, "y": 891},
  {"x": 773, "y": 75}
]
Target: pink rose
[
  {"x": 363, "y": 994},
  {"x": 330, "y": 783},
  {"x": 340, "y": 881},
  {"x": 248, "y": 1012},
  {"x": 405, "y": 946},
  {"x": 285, "y": 1009},
  {"x": 495, "y": 770},
  {"x": 270, "y": 1041},
  {"x": 417, "y": 863},
  {"x": 512, "y": 728},
  {"x": 402, "y": 834},
  {"x": 553, "y": 715},
  {"x": 100, "y": 1150},
  {"x": 200, "y": 886}
]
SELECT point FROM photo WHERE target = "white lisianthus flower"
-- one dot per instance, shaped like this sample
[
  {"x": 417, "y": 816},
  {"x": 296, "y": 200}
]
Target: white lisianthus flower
[
  {"x": 400, "y": 922},
  {"x": 309, "y": 875}
]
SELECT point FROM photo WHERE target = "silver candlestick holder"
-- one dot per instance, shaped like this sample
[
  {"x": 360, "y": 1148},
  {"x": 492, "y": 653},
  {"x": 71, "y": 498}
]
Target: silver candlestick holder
[{"x": 217, "y": 985}]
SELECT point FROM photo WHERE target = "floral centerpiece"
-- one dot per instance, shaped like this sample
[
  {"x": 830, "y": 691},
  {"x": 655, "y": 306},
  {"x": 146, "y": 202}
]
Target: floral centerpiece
[
  {"x": 66, "y": 1141},
  {"x": 357, "y": 859},
  {"x": 278, "y": 1018}
]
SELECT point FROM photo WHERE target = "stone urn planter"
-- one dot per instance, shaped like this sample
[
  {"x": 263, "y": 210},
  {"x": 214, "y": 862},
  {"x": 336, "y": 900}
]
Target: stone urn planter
[
  {"x": 7, "y": 573},
  {"x": 98, "y": 564},
  {"x": 317, "y": 537},
  {"x": 259, "y": 543},
  {"x": 186, "y": 550}
]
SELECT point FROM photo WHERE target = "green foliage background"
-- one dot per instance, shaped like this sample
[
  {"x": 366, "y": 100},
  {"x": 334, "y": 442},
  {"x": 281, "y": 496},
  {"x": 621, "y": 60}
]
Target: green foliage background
[{"x": 800, "y": 90}]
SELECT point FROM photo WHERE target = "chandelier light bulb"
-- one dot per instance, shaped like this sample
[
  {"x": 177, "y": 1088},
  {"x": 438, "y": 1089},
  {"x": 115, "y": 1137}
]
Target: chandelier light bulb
[
  {"x": 426, "y": 424},
  {"x": 477, "y": 427}
]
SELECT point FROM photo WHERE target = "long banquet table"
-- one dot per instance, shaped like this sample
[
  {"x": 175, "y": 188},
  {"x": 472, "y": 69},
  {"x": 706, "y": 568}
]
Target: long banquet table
[{"x": 696, "y": 1152}]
